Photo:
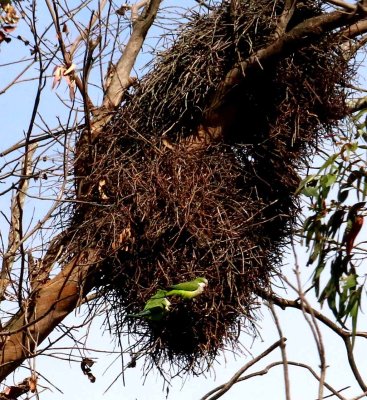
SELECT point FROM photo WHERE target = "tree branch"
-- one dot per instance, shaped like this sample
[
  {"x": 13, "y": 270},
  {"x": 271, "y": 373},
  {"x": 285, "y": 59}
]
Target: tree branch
[
  {"x": 284, "y": 353},
  {"x": 237, "y": 375},
  {"x": 120, "y": 79},
  {"x": 15, "y": 230},
  {"x": 275, "y": 364},
  {"x": 289, "y": 7},
  {"x": 213, "y": 126},
  {"x": 44, "y": 311},
  {"x": 345, "y": 335}
]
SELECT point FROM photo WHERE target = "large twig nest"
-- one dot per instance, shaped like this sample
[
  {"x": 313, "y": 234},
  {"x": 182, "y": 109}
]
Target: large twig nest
[{"x": 161, "y": 216}]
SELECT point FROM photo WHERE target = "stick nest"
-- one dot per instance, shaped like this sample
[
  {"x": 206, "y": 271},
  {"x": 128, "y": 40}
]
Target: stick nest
[{"x": 161, "y": 216}]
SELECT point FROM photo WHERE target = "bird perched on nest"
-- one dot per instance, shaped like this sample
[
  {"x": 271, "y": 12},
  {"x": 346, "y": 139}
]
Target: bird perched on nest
[
  {"x": 155, "y": 308},
  {"x": 188, "y": 290}
]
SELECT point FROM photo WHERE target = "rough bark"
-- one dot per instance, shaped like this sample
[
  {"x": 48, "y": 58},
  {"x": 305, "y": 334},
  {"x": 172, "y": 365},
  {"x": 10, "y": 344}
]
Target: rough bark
[{"x": 43, "y": 311}]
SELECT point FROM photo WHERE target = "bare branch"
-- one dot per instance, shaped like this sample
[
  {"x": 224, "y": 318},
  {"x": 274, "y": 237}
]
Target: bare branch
[
  {"x": 345, "y": 335},
  {"x": 121, "y": 80},
  {"x": 278, "y": 363},
  {"x": 135, "y": 9},
  {"x": 238, "y": 374},
  {"x": 204, "y": 4},
  {"x": 15, "y": 230},
  {"x": 66, "y": 55},
  {"x": 52, "y": 134},
  {"x": 358, "y": 104},
  {"x": 54, "y": 301},
  {"x": 342, "y": 4},
  {"x": 85, "y": 34},
  {"x": 312, "y": 323},
  {"x": 284, "y": 353}
]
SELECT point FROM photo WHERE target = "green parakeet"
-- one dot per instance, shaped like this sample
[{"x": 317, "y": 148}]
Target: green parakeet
[
  {"x": 155, "y": 308},
  {"x": 188, "y": 290}
]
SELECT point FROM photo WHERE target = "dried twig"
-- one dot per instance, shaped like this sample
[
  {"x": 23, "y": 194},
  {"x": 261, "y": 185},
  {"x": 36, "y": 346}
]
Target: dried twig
[
  {"x": 311, "y": 322},
  {"x": 224, "y": 388},
  {"x": 280, "y": 363},
  {"x": 284, "y": 353},
  {"x": 345, "y": 335}
]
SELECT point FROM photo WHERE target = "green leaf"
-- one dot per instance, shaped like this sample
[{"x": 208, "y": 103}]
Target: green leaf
[
  {"x": 354, "y": 312},
  {"x": 350, "y": 282},
  {"x": 310, "y": 191},
  {"x": 315, "y": 253},
  {"x": 329, "y": 161},
  {"x": 316, "y": 278},
  {"x": 328, "y": 180},
  {"x": 304, "y": 182}
]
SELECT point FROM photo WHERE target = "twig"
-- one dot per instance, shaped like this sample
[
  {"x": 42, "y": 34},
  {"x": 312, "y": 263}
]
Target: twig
[
  {"x": 278, "y": 363},
  {"x": 284, "y": 353},
  {"x": 345, "y": 335},
  {"x": 120, "y": 79},
  {"x": 237, "y": 375},
  {"x": 204, "y": 4},
  {"x": 15, "y": 235},
  {"x": 85, "y": 34},
  {"x": 312, "y": 323},
  {"x": 66, "y": 55},
  {"x": 51, "y": 135},
  {"x": 284, "y": 303},
  {"x": 358, "y": 104}
]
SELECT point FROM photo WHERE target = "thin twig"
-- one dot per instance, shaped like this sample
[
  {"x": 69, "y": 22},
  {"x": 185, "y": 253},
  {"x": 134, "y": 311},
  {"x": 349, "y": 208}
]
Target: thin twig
[
  {"x": 15, "y": 235},
  {"x": 238, "y": 374},
  {"x": 284, "y": 353},
  {"x": 278, "y": 363},
  {"x": 312, "y": 323}
]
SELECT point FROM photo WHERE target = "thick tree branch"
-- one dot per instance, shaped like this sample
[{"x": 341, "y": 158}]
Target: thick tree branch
[
  {"x": 342, "y": 4},
  {"x": 15, "y": 230},
  {"x": 289, "y": 7},
  {"x": 120, "y": 79},
  {"x": 213, "y": 126},
  {"x": 45, "y": 310}
]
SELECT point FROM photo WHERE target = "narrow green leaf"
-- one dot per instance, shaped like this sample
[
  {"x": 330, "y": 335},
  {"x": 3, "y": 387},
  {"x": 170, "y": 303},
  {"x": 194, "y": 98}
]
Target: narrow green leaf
[{"x": 329, "y": 161}]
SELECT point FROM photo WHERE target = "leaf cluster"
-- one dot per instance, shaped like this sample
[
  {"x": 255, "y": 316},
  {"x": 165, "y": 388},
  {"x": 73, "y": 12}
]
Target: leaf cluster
[{"x": 337, "y": 194}]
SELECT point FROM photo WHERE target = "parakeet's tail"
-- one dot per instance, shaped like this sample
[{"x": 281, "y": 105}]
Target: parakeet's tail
[{"x": 141, "y": 314}]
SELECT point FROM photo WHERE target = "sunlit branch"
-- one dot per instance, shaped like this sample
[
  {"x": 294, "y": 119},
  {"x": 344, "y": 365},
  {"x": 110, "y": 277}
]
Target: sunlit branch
[{"x": 15, "y": 238}]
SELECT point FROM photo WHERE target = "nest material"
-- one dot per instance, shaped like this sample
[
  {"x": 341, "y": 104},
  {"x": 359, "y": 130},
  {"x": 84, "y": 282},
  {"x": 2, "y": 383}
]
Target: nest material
[{"x": 164, "y": 216}]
